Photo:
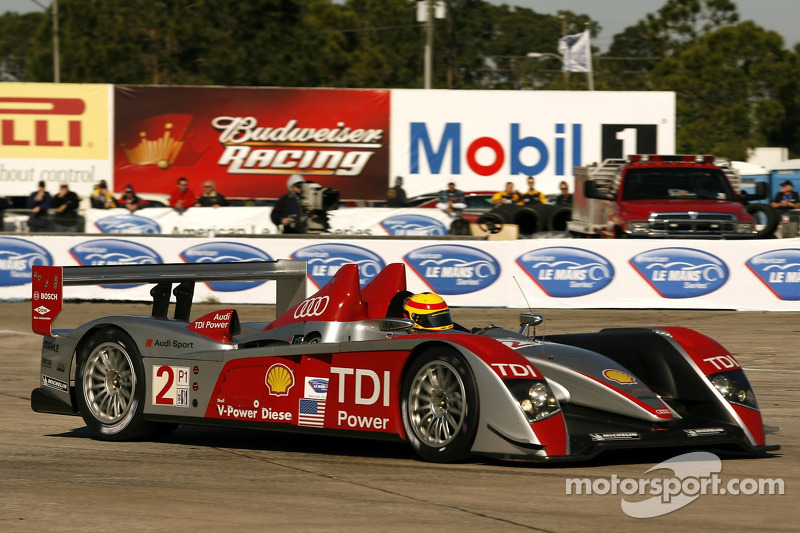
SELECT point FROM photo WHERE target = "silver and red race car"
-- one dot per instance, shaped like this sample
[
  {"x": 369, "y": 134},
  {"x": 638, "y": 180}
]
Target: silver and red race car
[{"x": 345, "y": 361}]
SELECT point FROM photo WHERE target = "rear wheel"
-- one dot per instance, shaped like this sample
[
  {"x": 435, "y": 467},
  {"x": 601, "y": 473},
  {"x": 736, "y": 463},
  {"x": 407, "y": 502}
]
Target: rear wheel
[
  {"x": 440, "y": 405},
  {"x": 111, "y": 388}
]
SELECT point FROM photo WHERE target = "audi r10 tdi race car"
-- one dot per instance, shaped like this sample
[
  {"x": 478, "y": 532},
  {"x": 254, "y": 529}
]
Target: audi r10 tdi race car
[{"x": 347, "y": 361}]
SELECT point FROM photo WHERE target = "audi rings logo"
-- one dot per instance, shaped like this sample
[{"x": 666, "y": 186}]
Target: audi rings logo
[{"x": 312, "y": 307}]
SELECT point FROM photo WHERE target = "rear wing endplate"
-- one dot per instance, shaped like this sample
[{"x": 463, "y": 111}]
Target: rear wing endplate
[{"x": 48, "y": 284}]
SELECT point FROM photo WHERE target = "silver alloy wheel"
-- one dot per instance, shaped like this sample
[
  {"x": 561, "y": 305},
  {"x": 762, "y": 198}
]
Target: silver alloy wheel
[
  {"x": 436, "y": 404},
  {"x": 109, "y": 382}
]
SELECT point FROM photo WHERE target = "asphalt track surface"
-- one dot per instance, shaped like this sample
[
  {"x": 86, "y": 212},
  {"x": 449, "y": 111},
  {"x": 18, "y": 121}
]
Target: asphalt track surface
[{"x": 54, "y": 477}]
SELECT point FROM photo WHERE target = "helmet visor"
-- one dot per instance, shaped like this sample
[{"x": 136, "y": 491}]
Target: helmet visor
[{"x": 437, "y": 319}]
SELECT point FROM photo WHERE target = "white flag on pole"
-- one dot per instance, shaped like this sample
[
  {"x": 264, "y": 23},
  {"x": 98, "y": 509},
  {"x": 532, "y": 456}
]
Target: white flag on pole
[{"x": 576, "y": 51}]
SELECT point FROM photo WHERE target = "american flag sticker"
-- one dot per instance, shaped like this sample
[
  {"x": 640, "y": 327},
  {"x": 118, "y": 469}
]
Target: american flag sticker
[{"x": 311, "y": 413}]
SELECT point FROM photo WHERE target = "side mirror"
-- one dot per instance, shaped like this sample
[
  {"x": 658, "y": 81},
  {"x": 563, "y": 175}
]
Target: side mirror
[
  {"x": 527, "y": 320},
  {"x": 395, "y": 324},
  {"x": 590, "y": 191}
]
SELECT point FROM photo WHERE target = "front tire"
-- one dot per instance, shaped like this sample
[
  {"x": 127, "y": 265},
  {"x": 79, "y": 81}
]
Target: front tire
[
  {"x": 440, "y": 405},
  {"x": 111, "y": 388}
]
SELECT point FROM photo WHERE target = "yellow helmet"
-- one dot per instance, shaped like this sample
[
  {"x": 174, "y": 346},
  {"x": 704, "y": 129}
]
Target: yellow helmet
[{"x": 428, "y": 311}]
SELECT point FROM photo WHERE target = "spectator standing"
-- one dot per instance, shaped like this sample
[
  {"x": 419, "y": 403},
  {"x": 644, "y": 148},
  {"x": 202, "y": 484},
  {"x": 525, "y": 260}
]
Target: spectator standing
[
  {"x": 183, "y": 197},
  {"x": 210, "y": 197},
  {"x": 65, "y": 204},
  {"x": 565, "y": 198},
  {"x": 533, "y": 196},
  {"x": 451, "y": 199},
  {"x": 507, "y": 196},
  {"x": 102, "y": 197},
  {"x": 288, "y": 212},
  {"x": 129, "y": 199},
  {"x": 787, "y": 198},
  {"x": 39, "y": 202},
  {"x": 396, "y": 196}
]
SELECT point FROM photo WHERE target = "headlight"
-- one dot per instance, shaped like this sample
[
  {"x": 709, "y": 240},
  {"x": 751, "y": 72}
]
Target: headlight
[
  {"x": 535, "y": 398},
  {"x": 734, "y": 387},
  {"x": 639, "y": 227},
  {"x": 745, "y": 227}
]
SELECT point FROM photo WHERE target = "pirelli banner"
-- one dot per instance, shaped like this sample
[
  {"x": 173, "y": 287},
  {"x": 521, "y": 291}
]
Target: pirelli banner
[
  {"x": 249, "y": 140},
  {"x": 56, "y": 134}
]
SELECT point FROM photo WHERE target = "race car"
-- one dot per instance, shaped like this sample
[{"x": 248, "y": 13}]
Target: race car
[{"x": 354, "y": 361}]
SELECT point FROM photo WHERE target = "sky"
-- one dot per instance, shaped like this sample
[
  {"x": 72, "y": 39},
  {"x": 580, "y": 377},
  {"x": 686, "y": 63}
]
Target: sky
[{"x": 613, "y": 15}]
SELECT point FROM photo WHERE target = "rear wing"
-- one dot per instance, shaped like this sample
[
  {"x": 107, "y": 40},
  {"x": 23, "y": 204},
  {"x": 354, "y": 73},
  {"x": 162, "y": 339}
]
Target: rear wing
[{"x": 48, "y": 284}]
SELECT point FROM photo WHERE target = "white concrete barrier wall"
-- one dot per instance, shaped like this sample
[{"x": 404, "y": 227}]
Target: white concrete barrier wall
[{"x": 542, "y": 273}]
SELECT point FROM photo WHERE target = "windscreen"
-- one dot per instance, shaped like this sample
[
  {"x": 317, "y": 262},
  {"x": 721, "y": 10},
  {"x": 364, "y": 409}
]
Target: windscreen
[{"x": 672, "y": 183}]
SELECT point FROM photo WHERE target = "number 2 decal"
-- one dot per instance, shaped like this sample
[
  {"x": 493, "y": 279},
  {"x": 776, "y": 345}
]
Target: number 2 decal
[
  {"x": 171, "y": 385},
  {"x": 160, "y": 397}
]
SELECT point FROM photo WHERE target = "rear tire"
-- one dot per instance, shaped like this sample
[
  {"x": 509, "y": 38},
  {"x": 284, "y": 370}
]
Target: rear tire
[
  {"x": 767, "y": 214},
  {"x": 110, "y": 384},
  {"x": 440, "y": 405}
]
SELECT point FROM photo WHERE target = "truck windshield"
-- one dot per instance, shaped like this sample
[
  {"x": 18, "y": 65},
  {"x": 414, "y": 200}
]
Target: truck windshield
[{"x": 676, "y": 183}]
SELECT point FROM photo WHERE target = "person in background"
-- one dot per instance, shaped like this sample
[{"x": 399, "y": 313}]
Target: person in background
[
  {"x": 787, "y": 198},
  {"x": 288, "y": 213},
  {"x": 102, "y": 197},
  {"x": 533, "y": 196},
  {"x": 65, "y": 204},
  {"x": 4, "y": 204},
  {"x": 210, "y": 197},
  {"x": 565, "y": 198},
  {"x": 451, "y": 199},
  {"x": 129, "y": 199},
  {"x": 507, "y": 196},
  {"x": 183, "y": 197},
  {"x": 39, "y": 203},
  {"x": 396, "y": 196}
]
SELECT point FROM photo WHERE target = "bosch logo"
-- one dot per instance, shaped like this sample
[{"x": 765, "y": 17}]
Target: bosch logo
[
  {"x": 454, "y": 269},
  {"x": 312, "y": 307},
  {"x": 564, "y": 272},
  {"x": 681, "y": 272},
  {"x": 324, "y": 260},
  {"x": 17, "y": 258},
  {"x": 128, "y": 224},
  {"x": 413, "y": 225},
  {"x": 226, "y": 252},
  {"x": 45, "y": 296},
  {"x": 779, "y": 270}
]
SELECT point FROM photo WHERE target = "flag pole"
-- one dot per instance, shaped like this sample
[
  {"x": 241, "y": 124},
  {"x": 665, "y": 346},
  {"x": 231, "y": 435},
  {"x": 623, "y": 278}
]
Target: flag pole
[{"x": 590, "y": 71}]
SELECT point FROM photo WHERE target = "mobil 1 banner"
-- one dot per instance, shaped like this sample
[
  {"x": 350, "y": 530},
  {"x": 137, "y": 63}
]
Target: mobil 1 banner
[
  {"x": 250, "y": 140},
  {"x": 481, "y": 139}
]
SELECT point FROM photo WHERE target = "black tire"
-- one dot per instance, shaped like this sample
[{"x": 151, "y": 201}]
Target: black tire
[
  {"x": 544, "y": 212},
  {"x": 559, "y": 218},
  {"x": 491, "y": 223},
  {"x": 460, "y": 226},
  {"x": 440, "y": 405},
  {"x": 110, "y": 382},
  {"x": 768, "y": 215},
  {"x": 527, "y": 219}
]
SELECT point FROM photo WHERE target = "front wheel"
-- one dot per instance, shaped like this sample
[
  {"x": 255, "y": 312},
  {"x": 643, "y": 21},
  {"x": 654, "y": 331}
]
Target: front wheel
[
  {"x": 111, "y": 388},
  {"x": 440, "y": 405}
]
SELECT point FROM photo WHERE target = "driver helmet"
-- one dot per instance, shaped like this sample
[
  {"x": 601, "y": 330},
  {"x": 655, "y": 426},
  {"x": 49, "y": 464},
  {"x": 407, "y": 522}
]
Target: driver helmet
[{"x": 428, "y": 311}]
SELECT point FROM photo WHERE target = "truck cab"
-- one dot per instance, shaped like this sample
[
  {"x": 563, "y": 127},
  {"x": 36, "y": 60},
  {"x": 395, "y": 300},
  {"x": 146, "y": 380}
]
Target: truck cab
[{"x": 667, "y": 196}]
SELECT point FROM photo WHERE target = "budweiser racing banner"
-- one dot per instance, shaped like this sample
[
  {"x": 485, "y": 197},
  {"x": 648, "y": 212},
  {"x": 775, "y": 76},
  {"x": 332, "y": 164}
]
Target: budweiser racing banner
[{"x": 249, "y": 140}]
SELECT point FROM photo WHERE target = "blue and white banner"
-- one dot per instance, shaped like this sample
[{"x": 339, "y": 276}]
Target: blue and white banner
[{"x": 543, "y": 273}]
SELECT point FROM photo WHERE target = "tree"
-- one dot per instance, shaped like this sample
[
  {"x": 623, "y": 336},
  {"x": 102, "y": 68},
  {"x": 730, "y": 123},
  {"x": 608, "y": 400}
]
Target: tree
[{"x": 735, "y": 87}]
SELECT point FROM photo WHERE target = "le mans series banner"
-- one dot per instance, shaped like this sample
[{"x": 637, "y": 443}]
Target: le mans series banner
[
  {"x": 250, "y": 140},
  {"x": 56, "y": 133}
]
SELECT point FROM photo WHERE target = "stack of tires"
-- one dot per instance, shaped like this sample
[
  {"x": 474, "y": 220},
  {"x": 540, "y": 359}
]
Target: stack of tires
[{"x": 530, "y": 219}]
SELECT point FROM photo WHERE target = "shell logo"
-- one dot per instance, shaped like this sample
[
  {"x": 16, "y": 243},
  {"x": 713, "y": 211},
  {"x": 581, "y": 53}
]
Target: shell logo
[
  {"x": 279, "y": 379},
  {"x": 619, "y": 376}
]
